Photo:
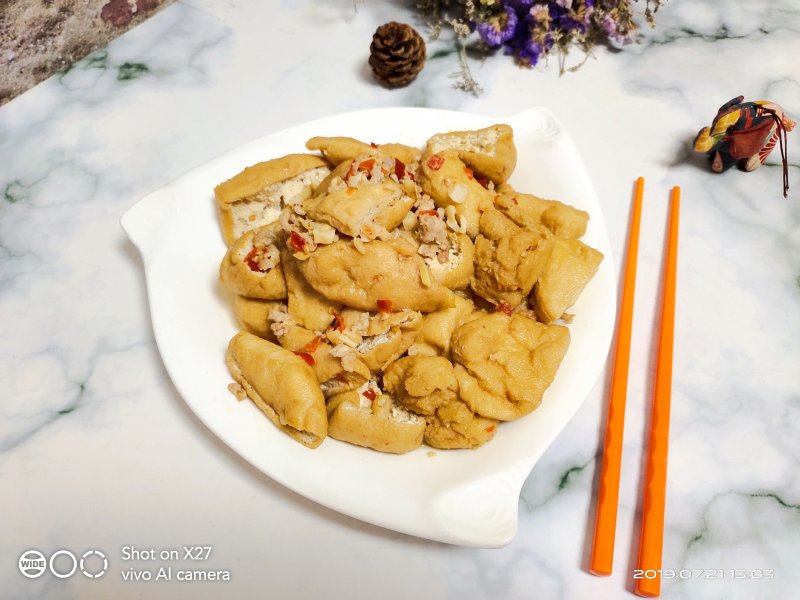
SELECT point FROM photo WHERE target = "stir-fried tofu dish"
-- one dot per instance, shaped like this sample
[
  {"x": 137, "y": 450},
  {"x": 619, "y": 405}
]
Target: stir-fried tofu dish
[{"x": 390, "y": 296}]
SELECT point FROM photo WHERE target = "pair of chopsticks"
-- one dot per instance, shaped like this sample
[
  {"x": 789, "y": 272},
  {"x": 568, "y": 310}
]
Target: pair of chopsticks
[{"x": 652, "y": 527}]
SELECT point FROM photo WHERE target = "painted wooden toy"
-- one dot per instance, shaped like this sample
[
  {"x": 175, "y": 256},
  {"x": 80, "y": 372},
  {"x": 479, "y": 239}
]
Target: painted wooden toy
[{"x": 743, "y": 134}]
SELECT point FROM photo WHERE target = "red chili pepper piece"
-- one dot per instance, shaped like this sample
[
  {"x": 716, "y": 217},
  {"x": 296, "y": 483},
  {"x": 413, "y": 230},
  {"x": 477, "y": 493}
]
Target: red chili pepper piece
[
  {"x": 307, "y": 357},
  {"x": 370, "y": 394},
  {"x": 373, "y": 144},
  {"x": 366, "y": 165},
  {"x": 313, "y": 344},
  {"x": 428, "y": 212},
  {"x": 505, "y": 307},
  {"x": 435, "y": 162},
  {"x": 297, "y": 241},
  {"x": 338, "y": 322},
  {"x": 469, "y": 173},
  {"x": 483, "y": 181},
  {"x": 384, "y": 306},
  {"x": 399, "y": 168},
  {"x": 249, "y": 259},
  {"x": 490, "y": 429},
  {"x": 411, "y": 176},
  {"x": 350, "y": 171}
]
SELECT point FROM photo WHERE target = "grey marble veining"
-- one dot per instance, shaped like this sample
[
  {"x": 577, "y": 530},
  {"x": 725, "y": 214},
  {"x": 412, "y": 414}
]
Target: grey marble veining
[{"x": 98, "y": 450}]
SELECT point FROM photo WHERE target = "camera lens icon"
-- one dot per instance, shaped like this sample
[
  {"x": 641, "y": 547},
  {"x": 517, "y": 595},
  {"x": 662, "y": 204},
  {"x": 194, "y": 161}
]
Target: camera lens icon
[
  {"x": 32, "y": 564},
  {"x": 96, "y": 574}
]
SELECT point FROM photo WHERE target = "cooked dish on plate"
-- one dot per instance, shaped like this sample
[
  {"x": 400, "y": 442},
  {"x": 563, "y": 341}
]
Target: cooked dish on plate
[{"x": 390, "y": 296}]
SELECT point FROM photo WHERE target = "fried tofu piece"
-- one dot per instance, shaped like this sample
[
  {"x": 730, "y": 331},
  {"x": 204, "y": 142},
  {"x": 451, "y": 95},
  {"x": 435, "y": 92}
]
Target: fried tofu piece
[
  {"x": 252, "y": 265},
  {"x": 455, "y": 425},
  {"x": 433, "y": 338},
  {"x": 338, "y": 172},
  {"x": 364, "y": 211},
  {"x": 376, "y": 339},
  {"x": 508, "y": 259},
  {"x": 254, "y": 197},
  {"x": 340, "y": 149},
  {"x": 307, "y": 307},
  {"x": 367, "y": 417},
  {"x": 253, "y": 315},
  {"x": 571, "y": 266},
  {"x": 282, "y": 385},
  {"x": 505, "y": 363},
  {"x": 422, "y": 383},
  {"x": 427, "y": 385},
  {"x": 408, "y": 155},
  {"x": 490, "y": 151},
  {"x": 335, "y": 371},
  {"x": 448, "y": 254},
  {"x": 529, "y": 211},
  {"x": 380, "y": 349},
  {"x": 450, "y": 183},
  {"x": 380, "y": 275}
]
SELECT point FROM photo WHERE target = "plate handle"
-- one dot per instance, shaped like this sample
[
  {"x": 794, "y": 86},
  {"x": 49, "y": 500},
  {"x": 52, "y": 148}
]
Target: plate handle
[
  {"x": 483, "y": 512},
  {"x": 148, "y": 222},
  {"x": 538, "y": 121}
]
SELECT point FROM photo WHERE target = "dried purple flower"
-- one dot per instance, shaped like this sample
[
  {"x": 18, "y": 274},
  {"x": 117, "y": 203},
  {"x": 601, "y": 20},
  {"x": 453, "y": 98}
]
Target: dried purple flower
[
  {"x": 498, "y": 29},
  {"x": 530, "y": 29},
  {"x": 530, "y": 52}
]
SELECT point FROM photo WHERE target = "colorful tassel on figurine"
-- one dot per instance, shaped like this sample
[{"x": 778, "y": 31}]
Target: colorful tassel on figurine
[{"x": 743, "y": 134}]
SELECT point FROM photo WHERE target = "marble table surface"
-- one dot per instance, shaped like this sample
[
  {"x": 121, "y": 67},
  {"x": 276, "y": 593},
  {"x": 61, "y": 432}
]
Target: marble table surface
[{"x": 98, "y": 451}]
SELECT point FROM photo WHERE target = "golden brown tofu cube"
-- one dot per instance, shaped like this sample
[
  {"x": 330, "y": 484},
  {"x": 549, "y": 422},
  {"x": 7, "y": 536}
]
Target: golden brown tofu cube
[
  {"x": 307, "y": 307},
  {"x": 433, "y": 338},
  {"x": 367, "y": 417},
  {"x": 380, "y": 275},
  {"x": 341, "y": 149},
  {"x": 490, "y": 151},
  {"x": 252, "y": 315},
  {"x": 427, "y": 385},
  {"x": 252, "y": 265},
  {"x": 505, "y": 363},
  {"x": 335, "y": 371},
  {"x": 450, "y": 183},
  {"x": 254, "y": 197},
  {"x": 571, "y": 266},
  {"x": 282, "y": 385},
  {"x": 508, "y": 259},
  {"x": 526, "y": 210},
  {"x": 364, "y": 211}
]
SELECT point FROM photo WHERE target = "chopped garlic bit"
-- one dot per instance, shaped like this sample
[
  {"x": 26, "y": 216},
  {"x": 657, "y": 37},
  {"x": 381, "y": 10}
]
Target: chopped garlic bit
[
  {"x": 323, "y": 233},
  {"x": 458, "y": 193},
  {"x": 280, "y": 320},
  {"x": 337, "y": 184},
  {"x": 424, "y": 202},
  {"x": 452, "y": 222},
  {"x": 410, "y": 221}
]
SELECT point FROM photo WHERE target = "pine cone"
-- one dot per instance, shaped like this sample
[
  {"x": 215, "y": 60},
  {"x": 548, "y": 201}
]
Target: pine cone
[{"x": 397, "y": 54}]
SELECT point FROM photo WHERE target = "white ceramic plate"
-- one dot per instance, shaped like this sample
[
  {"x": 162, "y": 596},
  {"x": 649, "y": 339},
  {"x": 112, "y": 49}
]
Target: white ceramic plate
[{"x": 466, "y": 497}]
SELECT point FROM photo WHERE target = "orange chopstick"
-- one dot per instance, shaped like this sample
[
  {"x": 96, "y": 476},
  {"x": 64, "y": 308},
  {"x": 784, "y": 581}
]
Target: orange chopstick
[
  {"x": 608, "y": 493},
  {"x": 652, "y": 533}
]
